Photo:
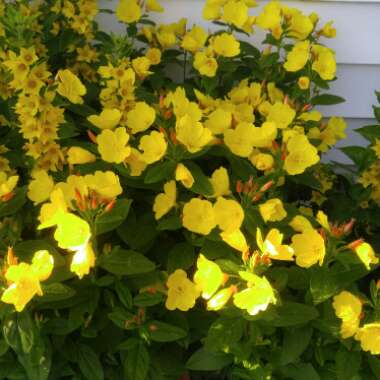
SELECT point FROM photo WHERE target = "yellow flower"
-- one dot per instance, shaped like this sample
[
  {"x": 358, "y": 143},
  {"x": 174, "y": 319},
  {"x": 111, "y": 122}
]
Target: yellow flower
[
  {"x": 40, "y": 187},
  {"x": 208, "y": 277},
  {"x": 112, "y": 145},
  {"x": 369, "y": 338},
  {"x": 270, "y": 17},
  {"x": 165, "y": 201},
  {"x": 195, "y": 39},
  {"x": 24, "y": 280},
  {"x": 236, "y": 240},
  {"x": 50, "y": 211},
  {"x": 141, "y": 66},
  {"x": 235, "y": 13},
  {"x": 297, "y": 57},
  {"x": 300, "y": 224},
  {"x": 71, "y": 232},
  {"x": 219, "y": 121},
  {"x": 229, "y": 214},
  {"x": 263, "y": 136},
  {"x": 78, "y": 155},
  {"x": 153, "y": 146},
  {"x": 182, "y": 293},
  {"x": 309, "y": 248},
  {"x": 24, "y": 286},
  {"x": 135, "y": 162},
  {"x": 183, "y": 174},
  {"x": 153, "y": 6},
  {"x": 262, "y": 161},
  {"x": 240, "y": 140},
  {"x": 328, "y": 30},
  {"x": 192, "y": 134},
  {"x": 220, "y": 182},
  {"x": 281, "y": 114},
  {"x": 141, "y": 117},
  {"x": 42, "y": 264},
  {"x": 273, "y": 247},
  {"x": 258, "y": 295},
  {"x": 70, "y": 86},
  {"x": 220, "y": 299},
  {"x": 300, "y": 25},
  {"x": 366, "y": 254},
  {"x": 323, "y": 220},
  {"x": 272, "y": 210},
  {"x": 205, "y": 64},
  {"x": 109, "y": 118},
  {"x": 301, "y": 155},
  {"x": 225, "y": 45},
  {"x": 83, "y": 260},
  {"x": 106, "y": 184},
  {"x": 154, "y": 56},
  {"x": 7, "y": 184},
  {"x": 199, "y": 216},
  {"x": 324, "y": 64},
  {"x": 303, "y": 83},
  {"x": 128, "y": 11}
]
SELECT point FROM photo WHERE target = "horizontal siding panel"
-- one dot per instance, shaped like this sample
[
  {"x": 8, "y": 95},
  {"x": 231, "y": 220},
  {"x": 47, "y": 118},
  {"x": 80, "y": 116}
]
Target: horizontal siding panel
[
  {"x": 357, "y": 84},
  {"x": 357, "y": 24},
  {"x": 353, "y": 138}
]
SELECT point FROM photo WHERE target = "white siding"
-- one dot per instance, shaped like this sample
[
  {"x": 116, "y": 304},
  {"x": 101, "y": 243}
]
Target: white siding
[{"x": 357, "y": 50}]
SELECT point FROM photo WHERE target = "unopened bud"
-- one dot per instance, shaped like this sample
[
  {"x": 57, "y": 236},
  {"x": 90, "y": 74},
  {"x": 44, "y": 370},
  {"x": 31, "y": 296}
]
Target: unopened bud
[
  {"x": 267, "y": 186},
  {"x": 355, "y": 244},
  {"x": 110, "y": 205},
  {"x": 91, "y": 136},
  {"x": 152, "y": 327}
]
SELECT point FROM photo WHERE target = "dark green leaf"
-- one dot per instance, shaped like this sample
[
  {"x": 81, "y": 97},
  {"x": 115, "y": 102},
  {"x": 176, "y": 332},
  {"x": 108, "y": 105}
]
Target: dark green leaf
[
  {"x": 202, "y": 184},
  {"x": 137, "y": 362},
  {"x": 301, "y": 371},
  {"x": 347, "y": 364},
  {"x": 163, "y": 332},
  {"x": 55, "y": 292},
  {"x": 181, "y": 256},
  {"x": 15, "y": 203},
  {"x": 89, "y": 363},
  {"x": 294, "y": 344},
  {"x": 124, "y": 294},
  {"x": 361, "y": 156},
  {"x": 146, "y": 299},
  {"x": 327, "y": 100},
  {"x": 160, "y": 172},
  {"x": 203, "y": 360},
  {"x": 369, "y": 132}
]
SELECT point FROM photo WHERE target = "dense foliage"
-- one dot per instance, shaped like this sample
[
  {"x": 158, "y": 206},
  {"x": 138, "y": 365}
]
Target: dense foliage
[{"x": 164, "y": 211}]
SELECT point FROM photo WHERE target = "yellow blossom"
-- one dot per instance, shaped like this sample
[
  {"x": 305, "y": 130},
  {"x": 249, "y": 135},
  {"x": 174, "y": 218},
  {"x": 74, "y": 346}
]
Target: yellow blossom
[
  {"x": 153, "y": 146},
  {"x": 229, "y": 214},
  {"x": 300, "y": 224},
  {"x": 154, "y": 56},
  {"x": 128, "y": 11},
  {"x": 109, "y": 118},
  {"x": 205, "y": 64},
  {"x": 240, "y": 140},
  {"x": 220, "y": 182},
  {"x": 78, "y": 155},
  {"x": 262, "y": 161},
  {"x": 225, "y": 45},
  {"x": 300, "y": 26},
  {"x": 369, "y": 337},
  {"x": 235, "y": 13},
  {"x": 141, "y": 66},
  {"x": 328, "y": 30},
  {"x": 153, "y": 6},
  {"x": 135, "y": 163},
  {"x": 106, "y": 184},
  {"x": 182, "y": 293},
  {"x": 40, "y": 187},
  {"x": 257, "y": 296},
  {"x": 281, "y": 114},
  {"x": 270, "y": 17},
  {"x": 366, "y": 254},
  {"x": 303, "y": 83},
  {"x": 262, "y": 137},
  {"x": 141, "y": 117},
  {"x": 195, "y": 39},
  {"x": 112, "y": 145},
  {"x": 83, "y": 260},
  {"x": 219, "y": 121},
  {"x": 42, "y": 264},
  {"x": 273, "y": 247},
  {"x": 236, "y": 240},
  {"x": 309, "y": 248},
  {"x": 7, "y": 184},
  {"x": 220, "y": 298},
  {"x": 199, "y": 216},
  {"x": 192, "y": 134},
  {"x": 272, "y": 210},
  {"x": 324, "y": 64},
  {"x": 183, "y": 174},
  {"x": 165, "y": 201},
  {"x": 70, "y": 86},
  {"x": 208, "y": 277},
  {"x": 297, "y": 57}
]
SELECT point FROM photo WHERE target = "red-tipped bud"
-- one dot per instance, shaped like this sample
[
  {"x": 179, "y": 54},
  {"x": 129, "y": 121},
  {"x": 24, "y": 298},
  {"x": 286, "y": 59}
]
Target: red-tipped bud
[
  {"x": 286, "y": 99},
  {"x": 7, "y": 197},
  {"x": 348, "y": 227},
  {"x": 355, "y": 244},
  {"x": 256, "y": 197},
  {"x": 78, "y": 196},
  {"x": 152, "y": 327},
  {"x": 225, "y": 278},
  {"x": 173, "y": 137},
  {"x": 152, "y": 290},
  {"x": 110, "y": 205},
  {"x": 275, "y": 145},
  {"x": 307, "y": 107},
  {"x": 94, "y": 202},
  {"x": 267, "y": 186},
  {"x": 91, "y": 136},
  {"x": 239, "y": 186}
]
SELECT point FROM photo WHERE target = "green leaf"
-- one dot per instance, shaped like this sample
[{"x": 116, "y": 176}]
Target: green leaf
[
  {"x": 146, "y": 299},
  {"x": 327, "y": 100},
  {"x": 369, "y": 132},
  {"x": 347, "y": 363},
  {"x": 108, "y": 221},
  {"x": 89, "y": 363},
  {"x": 202, "y": 184},
  {"x": 361, "y": 156},
  {"x": 300, "y": 371},
  {"x": 3, "y": 347},
  {"x": 325, "y": 283},
  {"x": 223, "y": 333},
  {"x": 374, "y": 364},
  {"x": 164, "y": 332},
  {"x": 169, "y": 223},
  {"x": 15, "y": 203},
  {"x": 181, "y": 256},
  {"x": 125, "y": 262},
  {"x": 55, "y": 292},
  {"x": 307, "y": 179},
  {"x": 376, "y": 111},
  {"x": 136, "y": 364},
  {"x": 203, "y": 360},
  {"x": 160, "y": 172},
  {"x": 295, "y": 343},
  {"x": 124, "y": 294},
  {"x": 290, "y": 314}
]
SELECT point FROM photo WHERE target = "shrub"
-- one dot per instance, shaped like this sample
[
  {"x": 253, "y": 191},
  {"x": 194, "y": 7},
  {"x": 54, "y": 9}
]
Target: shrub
[{"x": 161, "y": 223}]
